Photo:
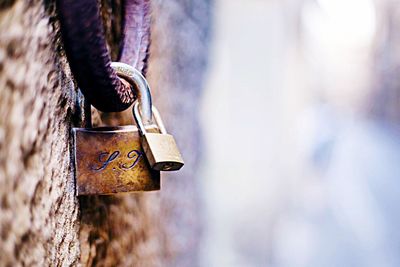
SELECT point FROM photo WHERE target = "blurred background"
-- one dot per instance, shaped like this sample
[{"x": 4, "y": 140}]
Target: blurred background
[{"x": 300, "y": 119}]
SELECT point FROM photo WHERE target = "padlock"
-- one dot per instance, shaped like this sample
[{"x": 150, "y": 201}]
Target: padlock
[
  {"x": 111, "y": 160},
  {"x": 160, "y": 147}
]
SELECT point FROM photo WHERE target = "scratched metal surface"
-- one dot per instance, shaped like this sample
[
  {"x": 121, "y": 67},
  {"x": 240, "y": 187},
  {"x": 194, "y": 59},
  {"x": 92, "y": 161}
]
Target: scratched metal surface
[{"x": 110, "y": 160}]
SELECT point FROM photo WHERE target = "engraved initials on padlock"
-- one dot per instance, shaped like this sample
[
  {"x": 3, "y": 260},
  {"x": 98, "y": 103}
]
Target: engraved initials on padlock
[
  {"x": 160, "y": 147},
  {"x": 110, "y": 160}
]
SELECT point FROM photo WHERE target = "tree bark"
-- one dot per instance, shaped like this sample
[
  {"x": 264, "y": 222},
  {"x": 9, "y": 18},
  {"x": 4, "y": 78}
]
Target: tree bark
[{"x": 42, "y": 222}]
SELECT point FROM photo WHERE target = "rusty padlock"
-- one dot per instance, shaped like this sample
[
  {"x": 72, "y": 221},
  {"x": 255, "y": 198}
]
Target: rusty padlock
[
  {"x": 111, "y": 160},
  {"x": 160, "y": 147}
]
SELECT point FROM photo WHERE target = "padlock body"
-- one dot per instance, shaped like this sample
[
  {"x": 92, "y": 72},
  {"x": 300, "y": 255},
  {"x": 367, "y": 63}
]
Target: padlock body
[
  {"x": 162, "y": 152},
  {"x": 110, "y": 160}
]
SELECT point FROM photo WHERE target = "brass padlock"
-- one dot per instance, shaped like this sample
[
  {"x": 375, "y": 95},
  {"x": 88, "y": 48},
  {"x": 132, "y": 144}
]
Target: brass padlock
[
  {"x": 111, "y": 160},
  {"x": 160, "y": 147}
]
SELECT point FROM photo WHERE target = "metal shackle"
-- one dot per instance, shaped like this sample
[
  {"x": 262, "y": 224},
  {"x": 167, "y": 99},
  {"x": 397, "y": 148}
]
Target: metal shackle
[
  {"x": 133, "y": 76},
  {"x": 140, "y": 124}
]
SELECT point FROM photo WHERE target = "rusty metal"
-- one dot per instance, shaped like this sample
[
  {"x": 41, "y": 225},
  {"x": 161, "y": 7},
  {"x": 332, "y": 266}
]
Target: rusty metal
[{"x": 110, "y": 160}]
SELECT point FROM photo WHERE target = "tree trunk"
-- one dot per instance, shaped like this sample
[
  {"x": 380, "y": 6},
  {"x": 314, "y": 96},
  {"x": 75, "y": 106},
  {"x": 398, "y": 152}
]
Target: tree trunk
[{"x": 42, "y": 222}]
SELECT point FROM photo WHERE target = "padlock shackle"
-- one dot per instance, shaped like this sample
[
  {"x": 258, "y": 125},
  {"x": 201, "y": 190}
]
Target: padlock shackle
[
  {"x": 133, "y": 76},
  {"x": 140, "y": 124},
  {"x": 158, "y": 119}
]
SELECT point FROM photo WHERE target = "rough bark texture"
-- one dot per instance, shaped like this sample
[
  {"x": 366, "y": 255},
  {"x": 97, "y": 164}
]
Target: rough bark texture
[{"x": 42, "y": 222}]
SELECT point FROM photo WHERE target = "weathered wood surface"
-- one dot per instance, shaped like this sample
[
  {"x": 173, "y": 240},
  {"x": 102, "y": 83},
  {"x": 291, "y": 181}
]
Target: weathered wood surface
[{"x": 42, "y": 222}]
